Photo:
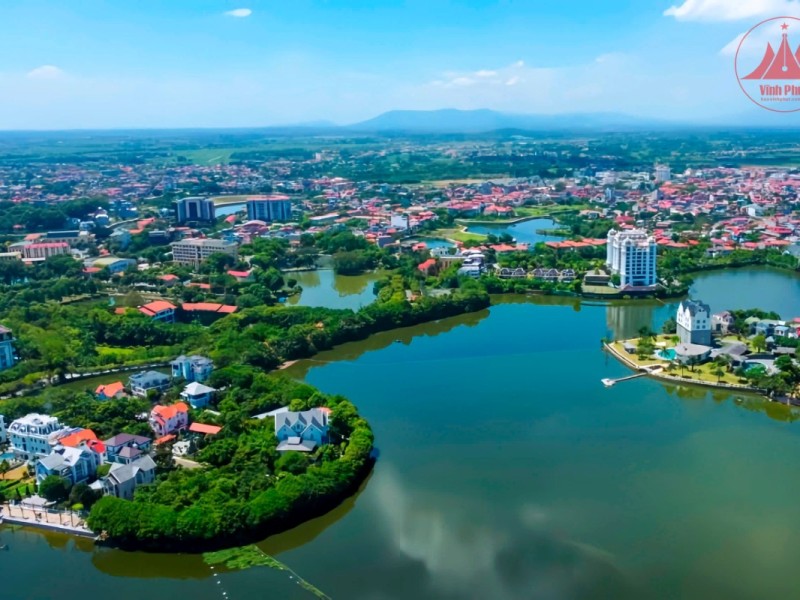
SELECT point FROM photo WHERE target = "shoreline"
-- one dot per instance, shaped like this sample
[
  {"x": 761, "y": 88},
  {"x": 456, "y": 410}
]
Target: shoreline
[{"x": 687, "y": 380}]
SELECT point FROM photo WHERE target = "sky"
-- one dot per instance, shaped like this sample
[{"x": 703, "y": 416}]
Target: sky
[{"x": 250, "y": 63}]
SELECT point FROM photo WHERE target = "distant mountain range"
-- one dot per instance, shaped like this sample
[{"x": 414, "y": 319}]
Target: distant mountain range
[{"x": 451, "y": 120}]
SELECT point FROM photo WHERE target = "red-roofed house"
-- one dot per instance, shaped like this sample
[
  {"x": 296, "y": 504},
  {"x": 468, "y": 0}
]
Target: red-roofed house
[
  {"x": 204, "y": 429},
  {"x": 160, "y": 310},
  {"x": 428, "y": 267},
  {"x": 169, "y": 279},
  {"x": 110, "y": 390},
  {"x": 207, "y": 312},
  {"x": 165, "y": 439},
  {"x": 168, "y": 419},
  {"x": 241, "y": 276},
  {"x": 76, "y": 438}
]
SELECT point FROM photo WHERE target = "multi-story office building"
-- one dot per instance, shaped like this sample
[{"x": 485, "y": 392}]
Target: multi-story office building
[
  {"x": 194, "y": 208},
  {"x": 194, "y": 251},
  {"x": 632, "y": 256},
  {"x": 269, "y": 208}
]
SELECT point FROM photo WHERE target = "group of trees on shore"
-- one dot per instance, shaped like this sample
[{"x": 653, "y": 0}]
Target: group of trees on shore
[{"x": 247, "y": 490}]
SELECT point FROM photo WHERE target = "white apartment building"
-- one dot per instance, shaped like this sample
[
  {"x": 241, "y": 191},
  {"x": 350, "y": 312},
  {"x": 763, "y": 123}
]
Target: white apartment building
[
  {"x": 31, "y": 436},
  {"x": 192, "y": 252},
  {"x": 632, "y": 255},
  {"x": 663, "y": 173}
]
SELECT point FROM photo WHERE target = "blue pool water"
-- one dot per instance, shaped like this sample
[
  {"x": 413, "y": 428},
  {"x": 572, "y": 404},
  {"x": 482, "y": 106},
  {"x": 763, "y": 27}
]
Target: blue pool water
[
  {"x": 7, "y": 456},
  {"x": 667, "y": 354}
]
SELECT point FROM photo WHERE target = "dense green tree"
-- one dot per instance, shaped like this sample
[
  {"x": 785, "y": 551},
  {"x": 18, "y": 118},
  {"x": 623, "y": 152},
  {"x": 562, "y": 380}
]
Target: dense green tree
[{"x": 54, "y": 488}]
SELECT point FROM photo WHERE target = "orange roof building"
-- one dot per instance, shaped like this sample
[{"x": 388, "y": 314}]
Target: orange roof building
[{"x": 110, "y": 390}]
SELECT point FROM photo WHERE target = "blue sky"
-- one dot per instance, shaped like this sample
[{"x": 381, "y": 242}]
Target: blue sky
[{"x": 207, "y": 63}]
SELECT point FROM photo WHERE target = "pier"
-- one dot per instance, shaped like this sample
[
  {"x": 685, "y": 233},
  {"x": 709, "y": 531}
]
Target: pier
[
  {"x": 645, "y": 370},
  {"x": 42, "y": 518},
  {"x": 609, "y": 382}
]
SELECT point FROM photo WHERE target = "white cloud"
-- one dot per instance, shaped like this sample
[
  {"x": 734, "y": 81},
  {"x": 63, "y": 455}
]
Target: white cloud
[
  {"x": 45, "y": 72},
  {"x": 757, "y": 40},
  {"x": 240, "y": 13},
  {"x": 730, "y": 10},
  {"x": 484, "y": 77},
  {"x": 730, "y": 48}
]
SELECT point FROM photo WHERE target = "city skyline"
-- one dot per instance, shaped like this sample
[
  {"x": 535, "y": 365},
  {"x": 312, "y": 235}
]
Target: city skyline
[{"x": 217, "y": 63}]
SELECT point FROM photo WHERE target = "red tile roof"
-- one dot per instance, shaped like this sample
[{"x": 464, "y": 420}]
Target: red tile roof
[
  {"x": 74, "y": 440},
  {"x": 169, "y": 412},
  {"x": 156, "y": 307},
  {"x": 203, "y": 428},
  {"x": 208, "y": 307},
  {"x": 109, "y": 390}
]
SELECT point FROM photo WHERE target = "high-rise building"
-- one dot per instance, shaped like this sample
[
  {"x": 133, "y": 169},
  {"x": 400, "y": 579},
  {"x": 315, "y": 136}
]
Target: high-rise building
[
  {"x": 662, "y": 173},
  {"x": 7, "y": 359},
  {"x": 694, "y": 322},
  {"x": 194, "y": 208},
  {"x": 276, "y": 207},
  {"x": 632, "y": 256},
  {"x": 192, "y": 252}
]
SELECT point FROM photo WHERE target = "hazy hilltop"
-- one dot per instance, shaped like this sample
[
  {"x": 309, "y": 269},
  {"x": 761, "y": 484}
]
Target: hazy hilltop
[{"x": 452, "y": 120}]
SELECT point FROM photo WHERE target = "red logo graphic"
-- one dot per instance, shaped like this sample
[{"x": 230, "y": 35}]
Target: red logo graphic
[{"x": 774, "y": 83}]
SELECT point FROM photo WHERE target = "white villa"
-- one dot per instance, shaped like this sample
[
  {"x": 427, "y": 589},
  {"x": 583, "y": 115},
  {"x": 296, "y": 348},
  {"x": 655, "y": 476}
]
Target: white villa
[
  {"x": 33, "y": 436},
  {"x": 694, "y": 323}
]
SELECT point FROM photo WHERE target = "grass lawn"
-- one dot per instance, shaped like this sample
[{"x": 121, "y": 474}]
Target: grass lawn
[
  {"x": 600, "y": 290},
  {"x": 26, "y": 487},
  {"x": 443, "y": 183},
  {"x": 123, "y": 352},
  {"x": 545, "y": 211},
  {"x": 702, "y": 372},
  {"x": 458, "y": 235},
  {"x": 208, "y": 156}
]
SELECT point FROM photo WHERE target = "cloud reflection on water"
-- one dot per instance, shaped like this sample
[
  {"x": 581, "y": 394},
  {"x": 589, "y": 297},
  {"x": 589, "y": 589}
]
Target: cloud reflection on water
[{"x": 507, "y": 556}]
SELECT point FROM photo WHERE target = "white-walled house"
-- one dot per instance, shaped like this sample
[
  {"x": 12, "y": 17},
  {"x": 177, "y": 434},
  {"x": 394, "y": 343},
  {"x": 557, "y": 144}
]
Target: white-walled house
[
  {"x": 33, "y": 436},
  {"x": 168, "y": 419},
  {"x": 694, "y": 322}
]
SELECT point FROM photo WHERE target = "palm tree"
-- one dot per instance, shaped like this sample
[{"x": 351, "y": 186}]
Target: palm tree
[{"x": 718, "y": 371}]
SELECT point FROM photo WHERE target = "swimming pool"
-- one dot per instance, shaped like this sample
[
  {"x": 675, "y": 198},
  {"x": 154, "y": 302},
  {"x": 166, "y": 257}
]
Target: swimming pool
[
  {"x": 9, "y": 456},
  {"x": 667, "y": 354}
]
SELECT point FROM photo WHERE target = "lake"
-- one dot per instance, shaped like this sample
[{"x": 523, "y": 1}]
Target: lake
[
  {"x": 525, "y": 232},
  {"x": 325, "y": 288},
  {"x": 507, "y": 471}
]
